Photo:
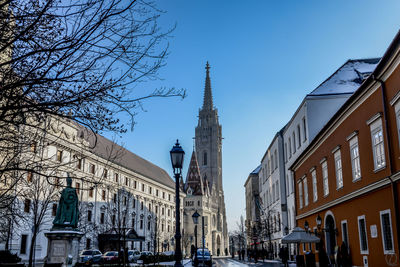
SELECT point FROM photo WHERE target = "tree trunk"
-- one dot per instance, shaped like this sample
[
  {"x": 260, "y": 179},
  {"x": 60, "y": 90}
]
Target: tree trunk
[{"x": 32, "y": 247}]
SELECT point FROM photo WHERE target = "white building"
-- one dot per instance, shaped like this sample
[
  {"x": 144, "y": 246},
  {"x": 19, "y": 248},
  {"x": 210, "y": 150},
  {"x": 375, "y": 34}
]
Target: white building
[{"x": 117, "y": 189}]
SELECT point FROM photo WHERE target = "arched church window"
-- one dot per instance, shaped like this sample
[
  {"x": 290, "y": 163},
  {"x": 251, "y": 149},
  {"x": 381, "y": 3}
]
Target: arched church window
[{"x": 205, "y": 158}]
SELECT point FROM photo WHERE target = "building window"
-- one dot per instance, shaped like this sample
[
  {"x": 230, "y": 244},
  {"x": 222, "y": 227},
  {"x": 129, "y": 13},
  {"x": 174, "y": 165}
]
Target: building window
[
  {"x": 156, "y": 192},
  {"x": 133, "y": 222},
  {"x": 134, "y": 203},
  {"x": 143, "y": 187},
  {"x": 276, "y": 159},
  {"x": 294, "y": 142},
  {"x": 325, "y": 178},
  {"x": 34, "y": 147},
  {"x": 148, "y": 225},
  {"x": 304, "y": 129},
  {"x": 362, "y": 231},
  {"x": 105, "y": 173},
  {"x": 91, "y": 192},
  {"x": 162, "y": 211},
  {"x": 77, "y": 187},
  {"x": 115, "y": 198},
  {"x": 150, "y": 190},
  {"x": 355, "y": 158},
  {"x": 141, "y": 205},
  {"x": 169, "y": 197},
  {"x": 378, "y": 149},
  {"x": 89, "y": 215},
  {"x": 116, "y": 177},
  {"x": 141, "y": 223},
  {"x": 92, "y": 168},
  {"x": 103, "y": 194},
  {"x": 290, "y": 148},
  {"x": 54, "y": 210},
  {"x": 272, "y": 163},
  {"x": 205, "y": 158},
  {"x": 301, "y": 194},
  {"x": 102, "y": 218},
  {"x": 125, "y": 200},
  {"x": 113, "y": 218},
  {"x": 24, "y": 240},
  {"x": 338, "y": 169},
  {"x": 305, "y": 191},
  {"x": 29, "y": 177},
  {"x": 79, "y": 164},
  {"x": 345, "y": 233},
  {"x": 286, "y": 151},
  {"x": 135, "y": 184},
  {"x": 314, "y": 183},
  {"x": 298, "y": 136},
  {"x": 27, "y": 205},
  {"x": 387, "y": 234}
]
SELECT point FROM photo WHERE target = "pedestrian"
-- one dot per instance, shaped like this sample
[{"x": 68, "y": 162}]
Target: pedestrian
[
  {"x": 243, "y": 254},
  {"x": 285, "y": 256}
]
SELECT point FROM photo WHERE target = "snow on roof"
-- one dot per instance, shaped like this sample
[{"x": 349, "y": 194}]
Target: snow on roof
[
  {"x": 348, "y": 77},
  {"x": 257, "y": 170}
]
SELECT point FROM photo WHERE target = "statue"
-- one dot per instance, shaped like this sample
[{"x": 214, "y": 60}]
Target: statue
[{"x": 67, "y": 210}]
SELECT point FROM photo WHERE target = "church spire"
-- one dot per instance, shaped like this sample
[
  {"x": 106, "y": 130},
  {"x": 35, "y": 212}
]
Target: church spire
[{"x": 208, "y": 101}]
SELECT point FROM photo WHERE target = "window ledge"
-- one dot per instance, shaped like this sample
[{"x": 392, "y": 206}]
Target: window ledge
[
  {"x": 379, "y": 169},
  {"x": 356, "y": 180},
  {"x": 339, "y": 188}
]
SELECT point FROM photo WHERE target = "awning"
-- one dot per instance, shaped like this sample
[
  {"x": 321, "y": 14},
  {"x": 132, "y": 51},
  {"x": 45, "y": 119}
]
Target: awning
[
  {"x": 299, "y": 235},
  {"x": 130, "y": 235}
]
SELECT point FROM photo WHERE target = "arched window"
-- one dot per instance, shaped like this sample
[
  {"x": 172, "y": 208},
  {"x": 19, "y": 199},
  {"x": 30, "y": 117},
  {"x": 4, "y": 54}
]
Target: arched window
[{"x": 205, "y": 158}]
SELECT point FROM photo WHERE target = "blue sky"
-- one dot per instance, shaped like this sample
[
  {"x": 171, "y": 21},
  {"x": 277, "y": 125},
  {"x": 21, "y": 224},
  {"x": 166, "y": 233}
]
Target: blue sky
[{"x": 264, "y": 56}]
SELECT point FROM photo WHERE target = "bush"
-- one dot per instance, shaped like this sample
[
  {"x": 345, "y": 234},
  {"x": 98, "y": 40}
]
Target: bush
[{"x": 7, "y": 257}]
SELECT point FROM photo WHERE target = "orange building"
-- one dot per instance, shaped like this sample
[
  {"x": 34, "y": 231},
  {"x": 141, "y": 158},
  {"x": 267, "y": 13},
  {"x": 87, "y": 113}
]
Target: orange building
[{"x": 347, "y": 180}]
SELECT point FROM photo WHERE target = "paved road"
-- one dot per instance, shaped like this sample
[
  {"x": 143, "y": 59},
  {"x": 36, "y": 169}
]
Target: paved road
[{"x": 227, "y": 262}]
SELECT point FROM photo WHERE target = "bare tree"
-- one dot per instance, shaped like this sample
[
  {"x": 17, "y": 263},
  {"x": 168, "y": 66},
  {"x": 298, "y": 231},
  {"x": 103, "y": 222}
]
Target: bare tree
[{"x": 74, "y": 62}]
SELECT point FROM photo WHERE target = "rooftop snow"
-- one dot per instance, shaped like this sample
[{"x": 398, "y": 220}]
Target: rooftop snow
[{"x": 348, "y": 77}]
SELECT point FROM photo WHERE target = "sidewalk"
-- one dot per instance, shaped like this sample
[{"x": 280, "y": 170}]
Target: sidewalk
[{"x": 265, "y": 262}]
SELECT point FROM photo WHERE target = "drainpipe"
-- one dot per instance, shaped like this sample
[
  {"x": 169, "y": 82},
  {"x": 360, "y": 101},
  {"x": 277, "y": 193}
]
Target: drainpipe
[{"x": 391, "y": 167}]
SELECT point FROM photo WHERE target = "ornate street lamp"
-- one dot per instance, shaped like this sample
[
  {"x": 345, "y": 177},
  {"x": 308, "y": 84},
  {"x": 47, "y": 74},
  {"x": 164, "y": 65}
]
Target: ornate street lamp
[
  {"x": 319, "y": 221},
  {"x": 286, "y": 230},
  {"x": 195, "y": 218},
  {"x": 177, "y": 155},
  {"x": 306, "y": 226}
]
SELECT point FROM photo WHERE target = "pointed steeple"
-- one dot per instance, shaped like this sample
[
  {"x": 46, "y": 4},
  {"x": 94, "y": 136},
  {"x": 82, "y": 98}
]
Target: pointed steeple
[{"x": 208, "y": 101}]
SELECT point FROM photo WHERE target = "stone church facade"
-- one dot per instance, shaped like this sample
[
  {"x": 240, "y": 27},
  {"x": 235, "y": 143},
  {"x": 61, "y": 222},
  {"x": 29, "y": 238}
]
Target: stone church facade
[{"x": 203, "y": 186}]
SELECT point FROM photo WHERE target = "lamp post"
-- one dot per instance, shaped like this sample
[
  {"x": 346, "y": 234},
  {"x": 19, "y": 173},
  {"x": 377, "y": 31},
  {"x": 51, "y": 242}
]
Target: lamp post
[
  {"x": 177, "y": 154},
  {"x": 195, "y": 218}
]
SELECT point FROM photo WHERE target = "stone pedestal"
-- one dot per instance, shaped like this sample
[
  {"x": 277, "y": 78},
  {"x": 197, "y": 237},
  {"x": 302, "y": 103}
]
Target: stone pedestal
[{"x": 62, "y": 245}]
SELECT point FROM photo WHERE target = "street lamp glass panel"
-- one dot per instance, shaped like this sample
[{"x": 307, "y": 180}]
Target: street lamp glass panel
[
  {"x": 319, "y": 221},
  {"x": 195, "y": 217},
  {"x": 177, "y": 154}
]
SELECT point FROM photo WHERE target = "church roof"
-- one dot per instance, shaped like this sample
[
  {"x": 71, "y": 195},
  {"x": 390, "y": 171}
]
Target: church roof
[
  {"x": 193, "y": 178},
  {"x": 207, "y": 100}
]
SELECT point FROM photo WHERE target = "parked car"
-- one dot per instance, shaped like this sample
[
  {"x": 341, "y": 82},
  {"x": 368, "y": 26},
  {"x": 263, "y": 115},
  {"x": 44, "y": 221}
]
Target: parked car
[
  {"x": 168, "y": 253},
  {"x": 110, "y": 257},
  {"x": 146, "y": 253},
  {"x": 202, "y": 258},
  {"x": 90, "y": 256},
  {"x": 133, "y": 255}
]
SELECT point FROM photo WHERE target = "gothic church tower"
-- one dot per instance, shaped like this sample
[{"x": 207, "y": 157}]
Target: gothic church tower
[{"x": 208, "y": 145}]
